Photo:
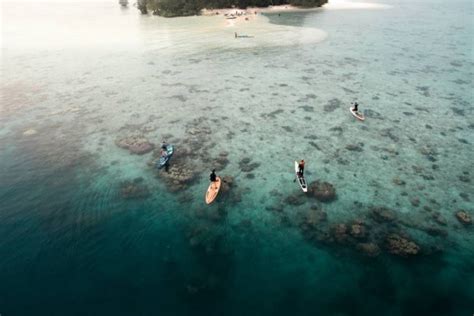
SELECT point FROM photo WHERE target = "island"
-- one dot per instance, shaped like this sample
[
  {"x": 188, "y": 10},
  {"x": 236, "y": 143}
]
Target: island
[{"x": 174, "y": 8}]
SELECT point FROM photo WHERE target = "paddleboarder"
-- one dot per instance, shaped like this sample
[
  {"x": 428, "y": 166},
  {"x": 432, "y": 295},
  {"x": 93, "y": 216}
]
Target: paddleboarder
[
  {"x": 164, "y": 154},
  {"x": 213, "y": 176},
  {"x": 164, "y": 148},
  {"x": 355, "y": 111},
  {"x": 213, "y": 188},
  {"x": 356, "y": 106},
  {"x": 299, "y": 170},
  {"x": 301, "y": 167}
]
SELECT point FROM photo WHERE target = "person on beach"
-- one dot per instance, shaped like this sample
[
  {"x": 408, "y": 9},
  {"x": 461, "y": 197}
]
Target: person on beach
[
  {"x": 301, "y": 168},
  {"x": 235, "y": 34}
]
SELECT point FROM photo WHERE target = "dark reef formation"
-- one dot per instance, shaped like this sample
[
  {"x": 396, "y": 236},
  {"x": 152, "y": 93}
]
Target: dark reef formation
[
  {"x": 401, "y": 246},
  {"x": 377, "y": 230},
  {"x": 322, "y": 191},
  {"x": 370, "y": 235},
  {"x": 136, "y": 144},
  {"x": 464, "y": 217},
  {"x": 178, "y": 176},
  {"x": 135, "y": 189},
  {"x": 246, "y": 165},
  {"x": 193, "y": 156}
]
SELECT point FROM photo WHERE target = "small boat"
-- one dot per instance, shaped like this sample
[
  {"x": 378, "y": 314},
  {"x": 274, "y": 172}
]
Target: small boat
[
  {"x": 230, "y": 17},
  {"x": 123, "y": 3}
]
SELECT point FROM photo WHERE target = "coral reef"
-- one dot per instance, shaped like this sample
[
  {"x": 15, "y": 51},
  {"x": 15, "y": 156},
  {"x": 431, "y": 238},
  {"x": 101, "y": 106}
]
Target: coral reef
[
  {"x": 463, "y": 217},
  {"x": 359, "y": 147},
  {"x": 358, "y": 229},
  {"x": 134, "y": 189},
  {"x": 312, "y": 219},
  {"x": 369, "y": 249},
  {"x": 229, "y": 190},
  {"x": 136, "y": 144},
  {"x": 247, "y": 166},
  {"x": 178, "y": 176},
  {"x": 332, "y": 105},
  {"x": 397, "y": 245},
  {"x": 322, "y": 191},
  {"x": 382, "y": 214},
  {"x": 295, "y": 199},
  {"x": 375, "y": 232},
  {"x": 340, "y": 233}
]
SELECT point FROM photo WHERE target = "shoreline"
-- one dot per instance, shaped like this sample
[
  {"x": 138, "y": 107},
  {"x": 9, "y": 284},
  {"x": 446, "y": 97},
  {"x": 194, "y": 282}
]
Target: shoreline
[
  {"x": 332, "y": 5},
  {"x": 234, "y": 15},
  {"x": 250, "y": 11}
]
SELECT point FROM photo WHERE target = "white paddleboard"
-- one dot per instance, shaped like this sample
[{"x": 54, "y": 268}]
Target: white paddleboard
[
  {"x": 357, "y": 114},
  {"x": 301, "y": 180}
]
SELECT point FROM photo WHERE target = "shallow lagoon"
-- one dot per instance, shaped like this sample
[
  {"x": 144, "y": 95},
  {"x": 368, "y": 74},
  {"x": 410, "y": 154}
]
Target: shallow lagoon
[{"x": 72, "y": 243}]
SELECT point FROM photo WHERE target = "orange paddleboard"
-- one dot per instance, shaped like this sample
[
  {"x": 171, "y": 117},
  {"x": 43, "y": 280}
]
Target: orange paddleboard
[{"x": 213, "y": 190}]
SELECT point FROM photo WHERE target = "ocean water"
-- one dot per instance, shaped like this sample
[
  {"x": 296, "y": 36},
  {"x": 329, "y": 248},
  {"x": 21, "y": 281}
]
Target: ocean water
[{"x": 77, "y": 77}]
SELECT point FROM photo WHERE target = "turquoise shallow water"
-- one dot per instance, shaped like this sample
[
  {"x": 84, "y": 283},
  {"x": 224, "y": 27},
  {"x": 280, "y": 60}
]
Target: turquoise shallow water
[{"x": 73, "y": 243}]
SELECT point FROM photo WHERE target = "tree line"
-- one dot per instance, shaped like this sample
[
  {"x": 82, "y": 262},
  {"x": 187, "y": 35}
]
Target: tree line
[{"x": 170, "y": 8}]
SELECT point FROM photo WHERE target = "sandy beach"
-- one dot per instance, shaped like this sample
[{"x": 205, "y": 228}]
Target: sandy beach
[
  {"x": 236, "y": 16},
  {"x": 252, "y": 12}
]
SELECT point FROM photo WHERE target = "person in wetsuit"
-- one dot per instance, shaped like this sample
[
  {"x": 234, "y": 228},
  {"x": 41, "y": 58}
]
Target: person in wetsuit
[
  {"x": 301, "y": 168},
  {"x": 213, "y": 176},
  {"x": 356, "y": 105},
  {"x": 164, "y": 149},
  {"x": 164, "y": 153}
]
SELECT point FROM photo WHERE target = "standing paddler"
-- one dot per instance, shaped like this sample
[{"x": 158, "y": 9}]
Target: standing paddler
[
  {"x": 213, "y": 176},
  {"x": 301, "y": 168}
]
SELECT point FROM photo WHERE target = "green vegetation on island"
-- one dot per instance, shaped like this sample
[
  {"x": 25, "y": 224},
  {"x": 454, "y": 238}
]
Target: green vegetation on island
[{"x": 172, "y": 8}]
